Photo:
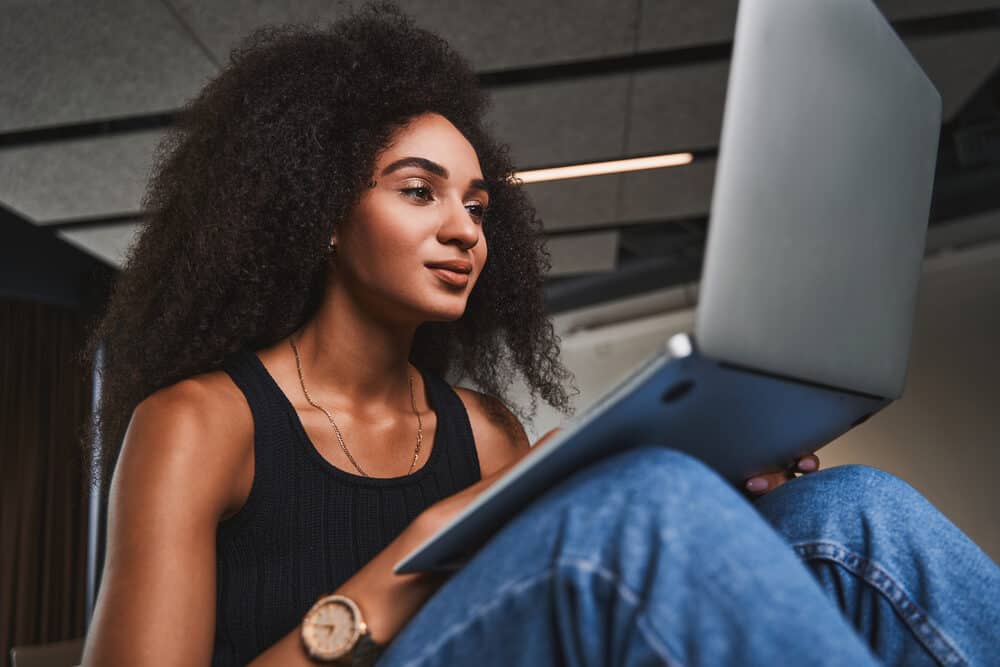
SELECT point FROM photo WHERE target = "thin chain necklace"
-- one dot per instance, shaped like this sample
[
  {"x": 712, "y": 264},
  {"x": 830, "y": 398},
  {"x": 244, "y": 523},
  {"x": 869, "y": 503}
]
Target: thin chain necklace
[{"x": 336, "y": 429}]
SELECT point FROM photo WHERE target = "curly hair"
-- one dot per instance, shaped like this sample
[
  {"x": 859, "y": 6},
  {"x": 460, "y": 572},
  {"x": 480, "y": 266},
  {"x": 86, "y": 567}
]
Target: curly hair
[{"x": 251, "y": 181}]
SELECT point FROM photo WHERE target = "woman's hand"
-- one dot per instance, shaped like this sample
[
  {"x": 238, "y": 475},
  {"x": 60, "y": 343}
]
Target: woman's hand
[{"x": 758, "y": 485}]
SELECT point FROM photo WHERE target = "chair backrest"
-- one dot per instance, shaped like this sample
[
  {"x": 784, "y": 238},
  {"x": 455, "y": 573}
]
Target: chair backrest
[{"x": 56, "y": 654}]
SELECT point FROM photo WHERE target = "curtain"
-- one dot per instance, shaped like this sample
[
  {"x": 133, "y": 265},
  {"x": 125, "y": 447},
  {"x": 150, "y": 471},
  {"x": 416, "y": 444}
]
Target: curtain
[{"x": 44, "y": 406}]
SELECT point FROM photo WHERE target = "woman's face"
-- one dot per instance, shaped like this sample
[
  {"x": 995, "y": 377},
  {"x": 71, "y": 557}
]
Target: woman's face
[{"x": 413, "y": 247}]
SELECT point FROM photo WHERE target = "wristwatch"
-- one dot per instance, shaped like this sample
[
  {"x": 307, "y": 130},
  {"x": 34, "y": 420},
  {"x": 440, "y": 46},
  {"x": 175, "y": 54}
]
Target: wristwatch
[{"x": 334, "y": 631}]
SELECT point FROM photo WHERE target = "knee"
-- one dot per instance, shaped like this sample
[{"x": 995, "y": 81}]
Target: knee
[
  {"x": 845, "y": 499},
  {"x": 649, "y": 480},
  {"x": 862, "y": 487},
  {"x": 860, "y": 474},
  {"x": 874, "y": 493},
  {"x": 657, "y": 468},
  {"x": 629, "y": 502}
]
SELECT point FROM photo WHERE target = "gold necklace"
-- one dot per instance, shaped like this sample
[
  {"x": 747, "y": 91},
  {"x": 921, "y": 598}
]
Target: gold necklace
[{"x": 336, "y": 429}]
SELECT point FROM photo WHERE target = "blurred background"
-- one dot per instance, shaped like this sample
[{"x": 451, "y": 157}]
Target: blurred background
[{"x": 86, "y": 89}]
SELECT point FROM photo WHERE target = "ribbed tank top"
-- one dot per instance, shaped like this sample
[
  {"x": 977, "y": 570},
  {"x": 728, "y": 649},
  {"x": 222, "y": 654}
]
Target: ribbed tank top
[{"x": 308, "y": 526}]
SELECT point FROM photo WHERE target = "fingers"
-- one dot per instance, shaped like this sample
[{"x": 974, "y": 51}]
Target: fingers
[
  {"x": 807, "y": 464},
  {"x": 758, "y": 485}
]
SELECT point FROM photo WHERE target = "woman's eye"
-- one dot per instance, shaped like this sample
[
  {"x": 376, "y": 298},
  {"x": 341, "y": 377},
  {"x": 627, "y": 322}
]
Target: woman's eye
[
  {"x": 425, "y": 194},
  {"x": 478, "y": 211},
  {"x": 422, "y": 193}
]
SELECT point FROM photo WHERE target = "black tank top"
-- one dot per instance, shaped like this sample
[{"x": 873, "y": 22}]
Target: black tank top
[{"x": 307, "y": 526}]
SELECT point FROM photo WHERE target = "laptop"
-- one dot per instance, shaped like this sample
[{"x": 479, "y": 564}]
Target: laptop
[{"x": 812, "y": 264}]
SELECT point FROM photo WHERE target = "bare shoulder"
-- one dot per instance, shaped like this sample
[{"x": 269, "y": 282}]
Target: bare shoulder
[
  {"x": 499, "y": 435},
  {"x": 209, "y": 400},
  {"x": 198, "y": 431},
  {"x": 178, "y": 473}
]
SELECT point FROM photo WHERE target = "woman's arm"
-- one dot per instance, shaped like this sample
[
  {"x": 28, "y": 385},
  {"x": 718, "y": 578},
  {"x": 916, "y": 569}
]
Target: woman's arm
[{"x": 173, "y": 481}]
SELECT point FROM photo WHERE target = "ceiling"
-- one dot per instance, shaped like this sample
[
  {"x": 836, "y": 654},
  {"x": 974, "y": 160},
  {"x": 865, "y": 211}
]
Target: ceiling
[{"x": 86, "y": 88}]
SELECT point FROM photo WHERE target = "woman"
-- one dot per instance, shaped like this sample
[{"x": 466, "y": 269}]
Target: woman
[{"x": 332, "y": 231}]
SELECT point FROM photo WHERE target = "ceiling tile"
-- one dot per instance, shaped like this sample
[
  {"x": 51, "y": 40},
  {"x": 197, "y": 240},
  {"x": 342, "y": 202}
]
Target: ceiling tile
[
  {"x": 64, "y": 61},
  {"x": 221, "y": 24},
  {"x": 681, "y": 107},
  {"x": 495, "y": 35},
  {"x": 583, "y": 253},
  {"x": 108, "y": 243},
  {"x": 675, "y": 108},
  {"x": 575, "y": 202},
  {"x": 564, "y": 122},
  {"x": 665, "y": 194},
  {"x": 908, "y": 9},
  {"x": 674, "y": 24},
  {"x": 521, "y": 33},
  {"x": 77, "y": 179}
]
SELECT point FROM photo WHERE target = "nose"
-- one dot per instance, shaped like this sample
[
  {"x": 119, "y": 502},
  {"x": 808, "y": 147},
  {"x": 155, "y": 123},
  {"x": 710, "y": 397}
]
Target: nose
[{"x": 459, "y": 228}]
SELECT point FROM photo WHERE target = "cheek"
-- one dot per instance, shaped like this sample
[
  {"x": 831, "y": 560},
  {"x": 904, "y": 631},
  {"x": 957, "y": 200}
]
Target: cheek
[
  {"x": 382, "y": 249},
  {"x": 481, "y": 256}
]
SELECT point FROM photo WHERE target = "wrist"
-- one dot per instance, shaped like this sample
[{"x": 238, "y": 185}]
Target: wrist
[
  {"x": 388, "y": 604},
  {"x": 334, "y": 631},
  {"x": 388, "y": 601}
]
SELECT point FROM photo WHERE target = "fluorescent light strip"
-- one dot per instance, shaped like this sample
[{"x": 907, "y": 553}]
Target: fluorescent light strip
[{"x": 599, "y": 168}]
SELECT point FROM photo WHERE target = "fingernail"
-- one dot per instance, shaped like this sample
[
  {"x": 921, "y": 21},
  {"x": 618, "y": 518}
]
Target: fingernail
[
  {"x": 807, "y": 464},
  {"x": 756, "y": 484}
]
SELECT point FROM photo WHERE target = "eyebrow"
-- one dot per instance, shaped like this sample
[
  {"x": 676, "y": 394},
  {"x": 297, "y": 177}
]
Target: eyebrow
[{"x": 432, "y": 167}]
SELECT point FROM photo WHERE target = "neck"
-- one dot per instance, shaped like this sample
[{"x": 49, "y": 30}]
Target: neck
[{"x": 351, "y": 356}]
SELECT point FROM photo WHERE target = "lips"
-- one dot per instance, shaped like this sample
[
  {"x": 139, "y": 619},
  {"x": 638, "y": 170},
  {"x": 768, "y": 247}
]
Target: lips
[
  {"x": 454, "y": 272},
  {"x": 455, "y": 265}
]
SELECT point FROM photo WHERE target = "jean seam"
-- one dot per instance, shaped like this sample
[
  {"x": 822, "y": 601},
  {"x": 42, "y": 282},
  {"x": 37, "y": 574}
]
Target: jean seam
[
  {"x": 516, "y": 586},
  {"x": 934, "y": 639},
  {"x": 653, "y": 642},
  {"x": 519, "y": 586}
]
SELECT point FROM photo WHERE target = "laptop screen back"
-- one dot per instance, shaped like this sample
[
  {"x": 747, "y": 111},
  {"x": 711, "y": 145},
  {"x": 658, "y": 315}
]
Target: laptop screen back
[{"x": 821, "y": 198}]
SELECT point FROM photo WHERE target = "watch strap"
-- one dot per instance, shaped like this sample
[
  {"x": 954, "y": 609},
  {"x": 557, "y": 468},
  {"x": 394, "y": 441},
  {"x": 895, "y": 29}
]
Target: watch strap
[{"x": 365, "y": 652}]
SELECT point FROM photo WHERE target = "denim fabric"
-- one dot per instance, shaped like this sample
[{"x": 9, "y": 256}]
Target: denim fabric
[
  {"x": 915, "y": 587},
  {"x": 649, "y": 558}
]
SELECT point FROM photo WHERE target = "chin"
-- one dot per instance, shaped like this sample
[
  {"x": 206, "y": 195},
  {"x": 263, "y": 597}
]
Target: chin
[
  {"x": 447, "y": 316},
  {"x": 447, "y": 312}
]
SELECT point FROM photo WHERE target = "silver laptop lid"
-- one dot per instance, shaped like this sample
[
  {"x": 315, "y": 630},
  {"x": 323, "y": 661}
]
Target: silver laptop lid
[{"x": 821, "y": 200}]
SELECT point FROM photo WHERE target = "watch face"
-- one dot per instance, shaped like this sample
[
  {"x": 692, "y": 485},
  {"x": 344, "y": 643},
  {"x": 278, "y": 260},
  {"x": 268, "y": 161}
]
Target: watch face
[{"x": 329, "y": 630}]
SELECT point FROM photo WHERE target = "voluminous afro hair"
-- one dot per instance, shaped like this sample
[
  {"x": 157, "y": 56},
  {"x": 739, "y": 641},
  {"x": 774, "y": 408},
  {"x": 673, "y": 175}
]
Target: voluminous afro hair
[{"x": 248, "y": 186}]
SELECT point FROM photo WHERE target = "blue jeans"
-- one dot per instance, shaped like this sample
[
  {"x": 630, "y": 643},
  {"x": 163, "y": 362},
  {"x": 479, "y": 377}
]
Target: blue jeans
[{"x": 649, "y": 558}]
